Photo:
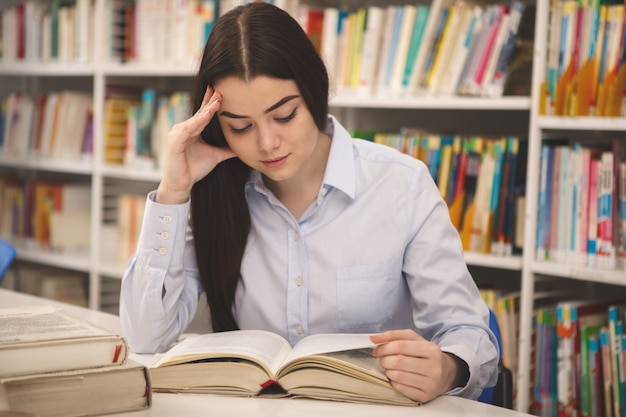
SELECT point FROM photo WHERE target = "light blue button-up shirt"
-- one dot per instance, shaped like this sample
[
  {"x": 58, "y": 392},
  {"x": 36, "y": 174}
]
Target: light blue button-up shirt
[{"x": 375, "y": 251}]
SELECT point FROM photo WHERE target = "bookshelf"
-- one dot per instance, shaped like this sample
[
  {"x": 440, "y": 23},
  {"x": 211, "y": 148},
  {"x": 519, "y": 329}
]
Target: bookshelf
[
  {"x": 594, "y": 281},
  {"x": 509, "y": 115}
]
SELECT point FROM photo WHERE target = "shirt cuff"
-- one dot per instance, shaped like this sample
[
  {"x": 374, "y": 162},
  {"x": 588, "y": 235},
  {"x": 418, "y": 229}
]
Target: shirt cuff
[
  {"x": 472, "y": 387},
  {"x": 163, "y": 231}
]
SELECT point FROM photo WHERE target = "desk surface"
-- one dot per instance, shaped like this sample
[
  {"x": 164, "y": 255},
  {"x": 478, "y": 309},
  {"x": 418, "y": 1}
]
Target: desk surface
[{"x": 190, "y": 405}]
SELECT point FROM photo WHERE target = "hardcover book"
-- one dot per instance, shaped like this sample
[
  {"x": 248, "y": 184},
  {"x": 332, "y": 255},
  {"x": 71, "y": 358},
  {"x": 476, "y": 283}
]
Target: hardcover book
[
  {"x": 79, "y": 392},
  {"x": 40, "y": 339},
  {"x": 336, "y": 367}
]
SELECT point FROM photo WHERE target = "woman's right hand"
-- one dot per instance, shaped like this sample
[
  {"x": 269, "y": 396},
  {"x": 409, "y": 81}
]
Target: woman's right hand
[{"x": 188, "y": 158}]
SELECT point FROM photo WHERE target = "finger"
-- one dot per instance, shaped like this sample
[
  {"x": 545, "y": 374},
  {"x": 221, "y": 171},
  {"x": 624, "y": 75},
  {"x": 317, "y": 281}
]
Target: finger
[
  {"x": 420, "y": 386},
  {"x": 391, "y": 335},
  {"x": 408, "y": 348},
  {"x": 207, "y": 96},
  {"x": 415, "y": 393},
  {"x": 196, "y": 124}
]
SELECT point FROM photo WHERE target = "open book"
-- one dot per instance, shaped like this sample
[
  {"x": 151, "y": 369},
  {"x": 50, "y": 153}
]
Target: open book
[
  {"x": 251, "y": 362},
  {"x": 39, "y": 339}
]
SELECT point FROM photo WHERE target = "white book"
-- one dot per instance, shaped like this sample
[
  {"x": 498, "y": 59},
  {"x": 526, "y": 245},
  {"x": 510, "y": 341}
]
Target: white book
[
  {"x": 457, "y": 26},
  {"x": 48, "y": 123},
  {"x": 370, "y": 54},
  {"x": 9, "y": 35},
  {"x": 466, "y": 80},
  {"x": 482, "y": 200},
  {"x": 328, "y": 47},
  {"x": 49, "y": 340},
  {"x": 402, "y": 50},
  {"x": 72, "y": 122},
  {"x": 46, "y": 40},
  {"x": 503, "y": 30},
  {"x": 33, "y": 18},
  {"x": 469, "y": 26},
  {"x": 290, "y": 6},
  {"x": 26, "y": 110},
  {"x": 383, "y": 63},
  {"x": 146, "y": 21},
  {"x": 66, "y": 34},
  {"x": 341, "y": 55},
  {"x": 83, "y": 33}
]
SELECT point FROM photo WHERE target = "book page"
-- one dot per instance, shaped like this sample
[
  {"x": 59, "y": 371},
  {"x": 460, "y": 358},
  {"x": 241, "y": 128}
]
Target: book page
[
  {"x": 31, "y": 324},
  {"x": 267, "y": 348},
  {"x": 325, "y": 343}
]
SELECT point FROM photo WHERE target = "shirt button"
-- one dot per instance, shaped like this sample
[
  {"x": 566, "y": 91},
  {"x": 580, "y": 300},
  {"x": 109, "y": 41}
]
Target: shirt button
[
  {"x": 296, "y": 237},
  {"x": 324, "y": 192},
  {"x": 299, "y": 281},
  {"x": 299, "y": 329},
  {"x": 167, "y": 218},
  {"x": 165, "y": 235},
  {"x": 162, "y": 250}
]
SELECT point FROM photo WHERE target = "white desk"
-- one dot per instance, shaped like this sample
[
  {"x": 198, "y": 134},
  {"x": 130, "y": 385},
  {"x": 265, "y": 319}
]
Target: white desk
[{"x": 191, "y": 405}]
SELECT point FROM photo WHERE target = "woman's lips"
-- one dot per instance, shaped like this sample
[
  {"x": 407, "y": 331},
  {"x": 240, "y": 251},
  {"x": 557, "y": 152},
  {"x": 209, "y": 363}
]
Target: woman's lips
[{"x": 276, "y": 162}]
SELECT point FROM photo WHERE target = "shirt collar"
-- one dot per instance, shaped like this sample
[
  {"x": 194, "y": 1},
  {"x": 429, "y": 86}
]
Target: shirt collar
[{"x": 340, "y": 168}]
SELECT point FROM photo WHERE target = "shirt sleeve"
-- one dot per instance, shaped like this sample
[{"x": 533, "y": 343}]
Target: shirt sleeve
[
  {"x": 447, "y": 306},
  {"x": 160, "y": 286}
]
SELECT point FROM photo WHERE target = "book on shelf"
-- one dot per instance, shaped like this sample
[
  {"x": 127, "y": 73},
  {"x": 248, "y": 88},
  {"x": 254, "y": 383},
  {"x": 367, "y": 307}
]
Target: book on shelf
[
  {"x": 78, "y": 392},
  {"x": 495, "y": 86},
  {"x": 129, "y": 219},
  {"x": 336, "y": 367},
  {"x": 330, "y": 34},
  {"x": 372, "y": 40},
  {"x": 428, "y": 41},
  {"x": 40, "y": 339},
  {"x": 409, "y": 16}
]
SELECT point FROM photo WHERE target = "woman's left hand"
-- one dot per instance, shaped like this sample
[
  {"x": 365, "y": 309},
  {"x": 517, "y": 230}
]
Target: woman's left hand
[{"x": 416, "y": 367}]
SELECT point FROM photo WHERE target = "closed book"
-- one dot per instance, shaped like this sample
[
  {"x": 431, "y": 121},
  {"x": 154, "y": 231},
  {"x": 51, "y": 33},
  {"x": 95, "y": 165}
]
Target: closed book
[
  {"x": 40, "y": 339},
  {"x": 79, "y": 392}
]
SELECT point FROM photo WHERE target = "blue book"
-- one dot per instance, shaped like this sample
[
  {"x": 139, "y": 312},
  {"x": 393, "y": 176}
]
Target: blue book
[
  {"x": 393, "y": 46},
  {"x": 443, "y": 18},
  {"x": 416, "y": 42}
]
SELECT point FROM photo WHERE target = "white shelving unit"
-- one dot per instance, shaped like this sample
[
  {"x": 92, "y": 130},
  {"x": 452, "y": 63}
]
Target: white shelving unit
[
  {"x": 533, "y": 270},
  {"x": 517, "y": 113}
]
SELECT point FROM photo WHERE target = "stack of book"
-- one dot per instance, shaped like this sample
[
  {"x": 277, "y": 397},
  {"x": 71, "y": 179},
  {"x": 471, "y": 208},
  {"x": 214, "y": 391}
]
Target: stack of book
[{"x": 55, "y": 364}]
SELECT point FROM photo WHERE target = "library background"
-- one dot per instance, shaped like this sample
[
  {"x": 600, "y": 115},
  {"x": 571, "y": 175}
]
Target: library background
[{"x": 517, "y": 108}]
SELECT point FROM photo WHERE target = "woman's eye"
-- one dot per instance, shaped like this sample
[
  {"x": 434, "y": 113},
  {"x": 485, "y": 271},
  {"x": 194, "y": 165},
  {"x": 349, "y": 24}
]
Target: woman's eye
[
  {"x": 287, "y": 118},
  {"x": 237, "y": 131}
]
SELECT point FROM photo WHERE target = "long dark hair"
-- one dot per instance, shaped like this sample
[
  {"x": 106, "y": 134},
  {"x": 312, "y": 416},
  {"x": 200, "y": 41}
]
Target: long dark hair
[{"x": 248, "y": 41}]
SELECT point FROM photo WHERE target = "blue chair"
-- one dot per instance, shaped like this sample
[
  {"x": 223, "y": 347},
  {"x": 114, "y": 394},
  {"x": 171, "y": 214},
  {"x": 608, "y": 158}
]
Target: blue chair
[
  {"x": 7, "y": 254},
  {"x": 502, "y": 393}
]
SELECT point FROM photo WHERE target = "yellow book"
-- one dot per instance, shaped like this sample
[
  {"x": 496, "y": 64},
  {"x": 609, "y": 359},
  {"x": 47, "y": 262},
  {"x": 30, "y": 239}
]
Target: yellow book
[
  {"x": 357, "y": 46},
  {"x": 347, "y": 69},
  {"x": 582, "y": 89},
  {"x": 456, "y": 209},
  {"x": 562, "y": 85},
  {"x": 441, "y": 47},
  {"x": 466, "y": 233},
  {"x": 615, "y": 94},
  {"x": 597, "y": 57},
  {"x": 444, "y": 172}
]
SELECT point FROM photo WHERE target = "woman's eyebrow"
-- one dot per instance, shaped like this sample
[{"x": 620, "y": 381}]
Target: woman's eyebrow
[{"x": 269, "y": 109}]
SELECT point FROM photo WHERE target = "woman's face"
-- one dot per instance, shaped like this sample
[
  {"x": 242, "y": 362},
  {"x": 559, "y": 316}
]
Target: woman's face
[{"x": 269, "y": 127}]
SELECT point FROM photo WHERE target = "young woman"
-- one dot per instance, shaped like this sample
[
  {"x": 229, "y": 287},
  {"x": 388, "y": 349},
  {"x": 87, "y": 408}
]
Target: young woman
[{"x": 290, "y": 225}]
